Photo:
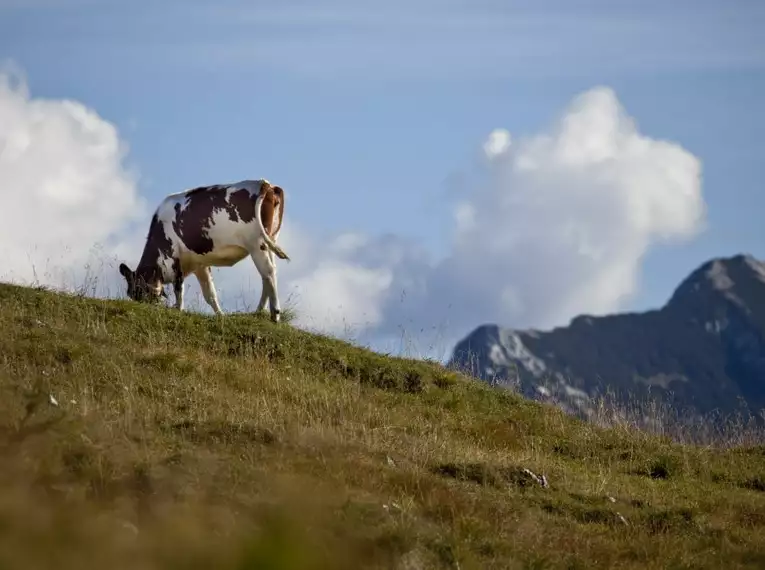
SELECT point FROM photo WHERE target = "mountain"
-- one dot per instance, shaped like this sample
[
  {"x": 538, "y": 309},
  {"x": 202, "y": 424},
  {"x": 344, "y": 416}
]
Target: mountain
[{"x": 704, "y": 350}]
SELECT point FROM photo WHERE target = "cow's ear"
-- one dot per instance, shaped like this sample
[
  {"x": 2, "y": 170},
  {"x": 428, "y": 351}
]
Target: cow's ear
[{"x": 126, "y": 271}]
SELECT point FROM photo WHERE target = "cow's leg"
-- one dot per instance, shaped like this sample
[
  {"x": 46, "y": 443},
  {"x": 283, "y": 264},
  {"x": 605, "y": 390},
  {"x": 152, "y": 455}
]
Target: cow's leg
[
  {"x": 263, "y": 295},
  {"x": 274, "y": 298},
  {"x": 267, "y": 269},
  {"x": 204, "y": 275},
  {"x": 178, "y": 290}
]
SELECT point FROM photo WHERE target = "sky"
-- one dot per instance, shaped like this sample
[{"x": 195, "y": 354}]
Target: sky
[{"x": 446, "y": 163}]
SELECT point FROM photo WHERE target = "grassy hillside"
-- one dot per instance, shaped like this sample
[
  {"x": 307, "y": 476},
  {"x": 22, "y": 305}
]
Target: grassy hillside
[{"x": 137, "y": 437}]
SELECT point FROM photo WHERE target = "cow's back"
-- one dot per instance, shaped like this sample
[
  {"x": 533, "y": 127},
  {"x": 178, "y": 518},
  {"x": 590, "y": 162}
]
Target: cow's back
[{"x": 211, "y": 225}]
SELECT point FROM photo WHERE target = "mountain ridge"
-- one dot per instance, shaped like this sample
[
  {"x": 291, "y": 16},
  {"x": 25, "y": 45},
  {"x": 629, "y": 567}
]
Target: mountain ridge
[{"x": 703, "y": 350}]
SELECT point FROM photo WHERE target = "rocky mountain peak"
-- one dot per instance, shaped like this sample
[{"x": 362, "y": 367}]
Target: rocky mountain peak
[
  {"x": 705, "y": 347},
  {"x": 731, "y": 277}
]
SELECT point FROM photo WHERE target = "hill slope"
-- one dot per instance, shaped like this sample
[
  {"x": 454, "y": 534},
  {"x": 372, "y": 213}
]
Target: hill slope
[
  {"x": 135, "y": 436},
  {"x": 706, "y": 347}
]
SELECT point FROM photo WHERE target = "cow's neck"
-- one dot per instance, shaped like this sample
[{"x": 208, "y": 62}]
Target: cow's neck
[
  {"x": 157, "y": 247},
  {"x": 148, "y": 267}
]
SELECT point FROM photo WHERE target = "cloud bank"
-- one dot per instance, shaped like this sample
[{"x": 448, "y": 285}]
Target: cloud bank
[
  {"x": 547, "y": 227},
  {"x": 560, "y": 221},
  {"x": 63, "y": 186}
]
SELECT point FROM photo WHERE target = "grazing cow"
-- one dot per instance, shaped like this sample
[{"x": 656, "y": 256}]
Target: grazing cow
[{"x": 211, "y": 226}]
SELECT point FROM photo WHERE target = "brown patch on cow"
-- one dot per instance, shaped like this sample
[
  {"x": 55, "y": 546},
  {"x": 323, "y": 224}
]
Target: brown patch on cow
[
  {"x": 273, "y": 198},
  {"x": 243, "y": 205},
  {"x": 190, "y": 222}
]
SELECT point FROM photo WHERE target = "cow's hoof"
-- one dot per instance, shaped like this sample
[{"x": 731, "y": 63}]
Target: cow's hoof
[{"x": 276, "y": 316}]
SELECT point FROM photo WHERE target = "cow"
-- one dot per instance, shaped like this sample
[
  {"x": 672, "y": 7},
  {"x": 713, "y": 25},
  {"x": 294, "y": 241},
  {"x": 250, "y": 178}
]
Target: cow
[{"x": 211, "y": 226}]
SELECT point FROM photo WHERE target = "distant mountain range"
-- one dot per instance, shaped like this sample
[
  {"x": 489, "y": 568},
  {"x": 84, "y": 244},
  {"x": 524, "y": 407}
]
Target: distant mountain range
[{"x": 704, "y": 350}]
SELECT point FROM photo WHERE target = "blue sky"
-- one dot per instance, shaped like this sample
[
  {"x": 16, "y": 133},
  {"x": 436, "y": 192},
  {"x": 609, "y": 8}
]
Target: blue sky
[{"x": 373, "y": 115}]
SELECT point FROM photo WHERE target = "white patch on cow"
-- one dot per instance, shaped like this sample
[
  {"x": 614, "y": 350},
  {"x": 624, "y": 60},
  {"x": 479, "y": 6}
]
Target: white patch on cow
[
  {"x": 223, "y": 231},
  {"x": 221, "y": 256}
]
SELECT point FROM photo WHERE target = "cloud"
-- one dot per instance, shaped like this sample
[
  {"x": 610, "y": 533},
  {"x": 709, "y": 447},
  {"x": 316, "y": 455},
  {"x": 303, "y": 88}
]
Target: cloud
[
  {"x": 63, "y": 186},
  {"x": 569, "y": 215},
  {"x": 548, "y": 226}
]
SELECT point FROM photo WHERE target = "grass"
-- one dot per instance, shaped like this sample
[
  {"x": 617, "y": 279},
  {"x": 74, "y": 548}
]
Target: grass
[{"x": 133, "y": 436}]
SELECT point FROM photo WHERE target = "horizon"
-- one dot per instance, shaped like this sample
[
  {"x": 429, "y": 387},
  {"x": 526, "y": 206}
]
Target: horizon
[{"x": 486, "y": 163}]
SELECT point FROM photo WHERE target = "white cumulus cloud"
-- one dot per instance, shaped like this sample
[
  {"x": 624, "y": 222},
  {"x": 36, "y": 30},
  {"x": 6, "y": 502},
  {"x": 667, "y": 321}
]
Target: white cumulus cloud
[
  {"x": 63, "y": 186},
  {"x": 497, "y": 143},
  {"x": 566, "y": 217}
]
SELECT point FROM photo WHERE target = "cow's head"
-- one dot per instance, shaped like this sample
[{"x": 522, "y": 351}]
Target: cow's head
[{"x": 141, "y": 289}]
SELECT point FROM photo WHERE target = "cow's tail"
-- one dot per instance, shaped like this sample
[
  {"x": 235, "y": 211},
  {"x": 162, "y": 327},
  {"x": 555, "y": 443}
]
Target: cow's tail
[{"x": 267, "y": 238}]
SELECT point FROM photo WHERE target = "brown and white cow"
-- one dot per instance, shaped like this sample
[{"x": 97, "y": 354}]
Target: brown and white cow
[{"x": 217, "y": 226}]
